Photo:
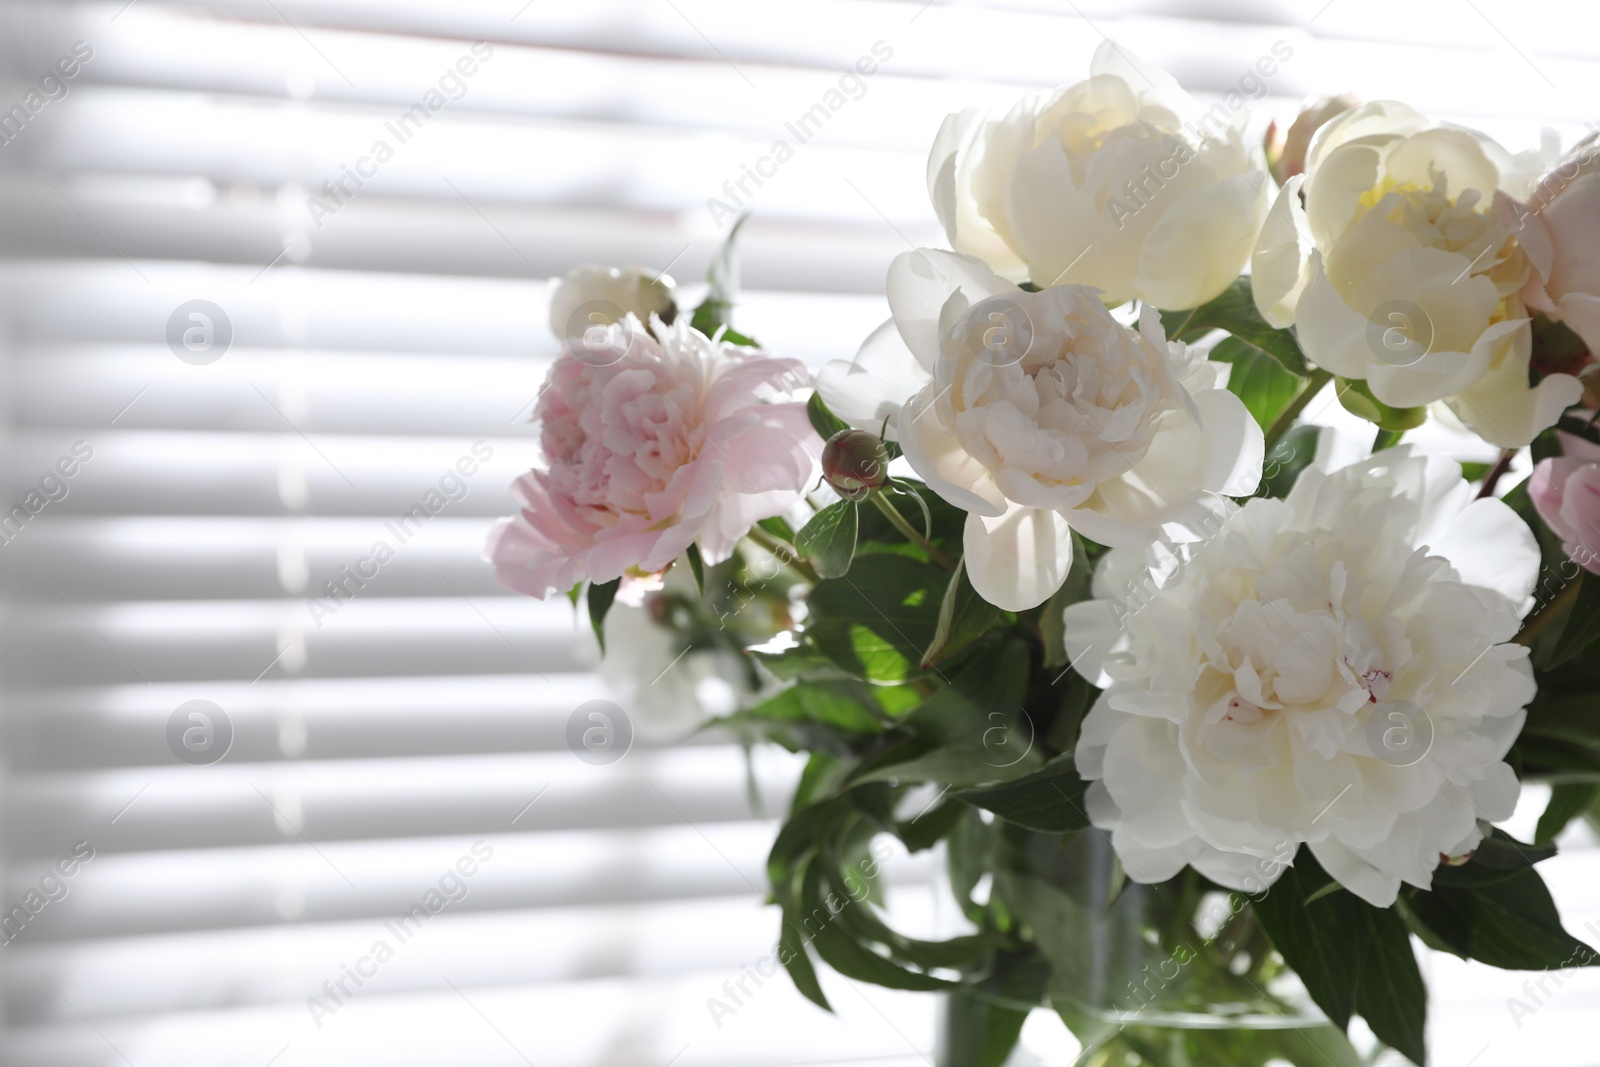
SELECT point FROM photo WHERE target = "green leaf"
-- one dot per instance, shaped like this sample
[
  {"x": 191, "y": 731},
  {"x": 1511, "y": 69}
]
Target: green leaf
[
  {"x": 1356, "y": 398},
  {"x": 829, "y": 539},
  {"x": 600, "y": 599},
  {"x": 876, "y": 622},
  {"x": 698, "y": 566},
  {"x": 1473, "y": 471},
  {"x": 1352, "y": 957},
  {"x": 825, "y": 422},
  {"x": 1582, "y": 623},
  {"x": 1050, "y": 799},
  {"x": 792, "y": 954},
  {"x": 1390, "y": 993},
  {"x": 778, "y": 528},
  {"x": 1497, "y": 857},
  {"x": 842, "y": 952},
  {"x": 964, "y": 616},
  {"x": 847, "y": 704},
  {"x": 1512, "y": 924},
  {"x": 1235, "y": 311},
  {"x": 1568, "y": 800},
  {"x": 716, "y": 310},
  {"x": 980, "y": 1033},
  {"x": 1289, "y": 457},
  {"x": 1258, "y": 379},
  {"x": 972, "y": 731}
]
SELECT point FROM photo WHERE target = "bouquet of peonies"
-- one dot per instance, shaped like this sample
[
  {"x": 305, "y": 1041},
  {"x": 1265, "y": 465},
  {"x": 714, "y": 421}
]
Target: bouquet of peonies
[{"x": 1207, "y": 709}]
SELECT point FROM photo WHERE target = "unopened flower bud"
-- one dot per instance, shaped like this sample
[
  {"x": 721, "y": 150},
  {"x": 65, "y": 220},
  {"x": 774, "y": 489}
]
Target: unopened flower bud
[
  {"x": 1290, "y": 155},
  {"x": 855, "y": 462}
]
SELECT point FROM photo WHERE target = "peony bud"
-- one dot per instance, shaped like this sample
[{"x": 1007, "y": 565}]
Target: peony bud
[
  {"x": 855, "y": 462},
  {"x": 1291, "y": 156}
]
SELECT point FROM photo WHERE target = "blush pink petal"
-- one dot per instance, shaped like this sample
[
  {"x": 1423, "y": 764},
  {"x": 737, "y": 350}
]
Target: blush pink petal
[{"x": 679, "y": 440}]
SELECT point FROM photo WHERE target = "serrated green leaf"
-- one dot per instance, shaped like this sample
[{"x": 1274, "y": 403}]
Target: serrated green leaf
[
  {"x": 600, "y": 598},
  {"x": 829, "y": 539},
  {"x": 1235, "y": 312}
]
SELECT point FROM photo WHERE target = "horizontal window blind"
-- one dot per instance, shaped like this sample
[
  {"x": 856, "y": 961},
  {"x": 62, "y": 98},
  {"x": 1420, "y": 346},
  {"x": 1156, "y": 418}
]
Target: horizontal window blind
[{"x": 378, "y": 335}]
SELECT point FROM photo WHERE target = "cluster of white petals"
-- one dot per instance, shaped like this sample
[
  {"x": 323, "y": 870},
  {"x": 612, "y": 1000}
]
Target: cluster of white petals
[
  {"x": 1040, "y": 413},
  {"x": 1332, "y": 669},
  {"x": 1116, "y": 182},
  {"x": 1401, "y": 268}
]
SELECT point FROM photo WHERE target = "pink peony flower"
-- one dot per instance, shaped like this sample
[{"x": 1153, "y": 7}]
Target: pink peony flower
[
  {"x": 1566, "y": 491},
  {"x": 676, "y": 440},
  {"x": 1560, "y": 230}
]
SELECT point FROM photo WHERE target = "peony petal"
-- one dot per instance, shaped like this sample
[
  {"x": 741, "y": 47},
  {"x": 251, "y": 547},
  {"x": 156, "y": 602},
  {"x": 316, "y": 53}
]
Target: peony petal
[
  {"x": 1333, "y": 335},
  {"x": 876, "y": 384},
  {"x": 942, "y": 461},
  {"x": 1581, "y": 311},
  {"x": 922, "y": 281},
  {"x": 1504, "y": 411},
  {"x": 1491, "y": 547},
  {"x": 1189, "y": 464},
  {"x": 1018, "y": 559},
  {"x": 1202, "y": 241},
  {"x": 1280, "y": 266},
  {"x": 1356, "y": 874},
  {"x": 1092, "y": 631}
]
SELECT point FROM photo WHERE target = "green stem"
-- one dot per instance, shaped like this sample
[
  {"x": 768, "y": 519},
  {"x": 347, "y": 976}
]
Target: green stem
[
  {"x": 1281, "y": 424},
  {"x": 1546, "y": 615},
  {"x": 898, "y": 521},
  {"x": 784, "y": 553},
  {"x": 1386, "y": 439}
]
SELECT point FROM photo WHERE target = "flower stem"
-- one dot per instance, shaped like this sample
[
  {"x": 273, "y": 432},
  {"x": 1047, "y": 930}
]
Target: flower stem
[
  {"x": 1496, "y": 472},
  {"x": 1546, "y": 615},
  {"x": 784, "y": 553},
  {"x": 1281, "y": 424},
  {"x": 898, "y": 521},
  {"x": 1386, "y": 439}
]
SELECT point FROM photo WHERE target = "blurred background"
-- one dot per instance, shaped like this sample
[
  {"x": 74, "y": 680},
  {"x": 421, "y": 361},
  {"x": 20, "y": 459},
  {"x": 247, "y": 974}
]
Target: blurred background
[{"x": 275, "y": 277}]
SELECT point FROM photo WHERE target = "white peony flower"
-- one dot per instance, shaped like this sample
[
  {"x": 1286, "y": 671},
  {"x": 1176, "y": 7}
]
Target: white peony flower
[
  {"x": 1116, "y": 182},
  {"x": 1040, "y": 413},
  {"x": 587, "y": 300},
  {"x": 1331, "y": 669},
  {"x": 1401, "y": 269}
]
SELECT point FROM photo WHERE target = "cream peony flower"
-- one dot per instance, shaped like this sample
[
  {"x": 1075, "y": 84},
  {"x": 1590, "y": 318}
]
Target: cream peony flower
[
  {"x": 672, "y": 443},
  {"x": 1116, "y": 182},
  {"x": 1041, "y": 413},
  {"x": 1400, "y": 270},
  {"x": 1329, "y": 669},
  {"x": 590, "y": 305}
]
